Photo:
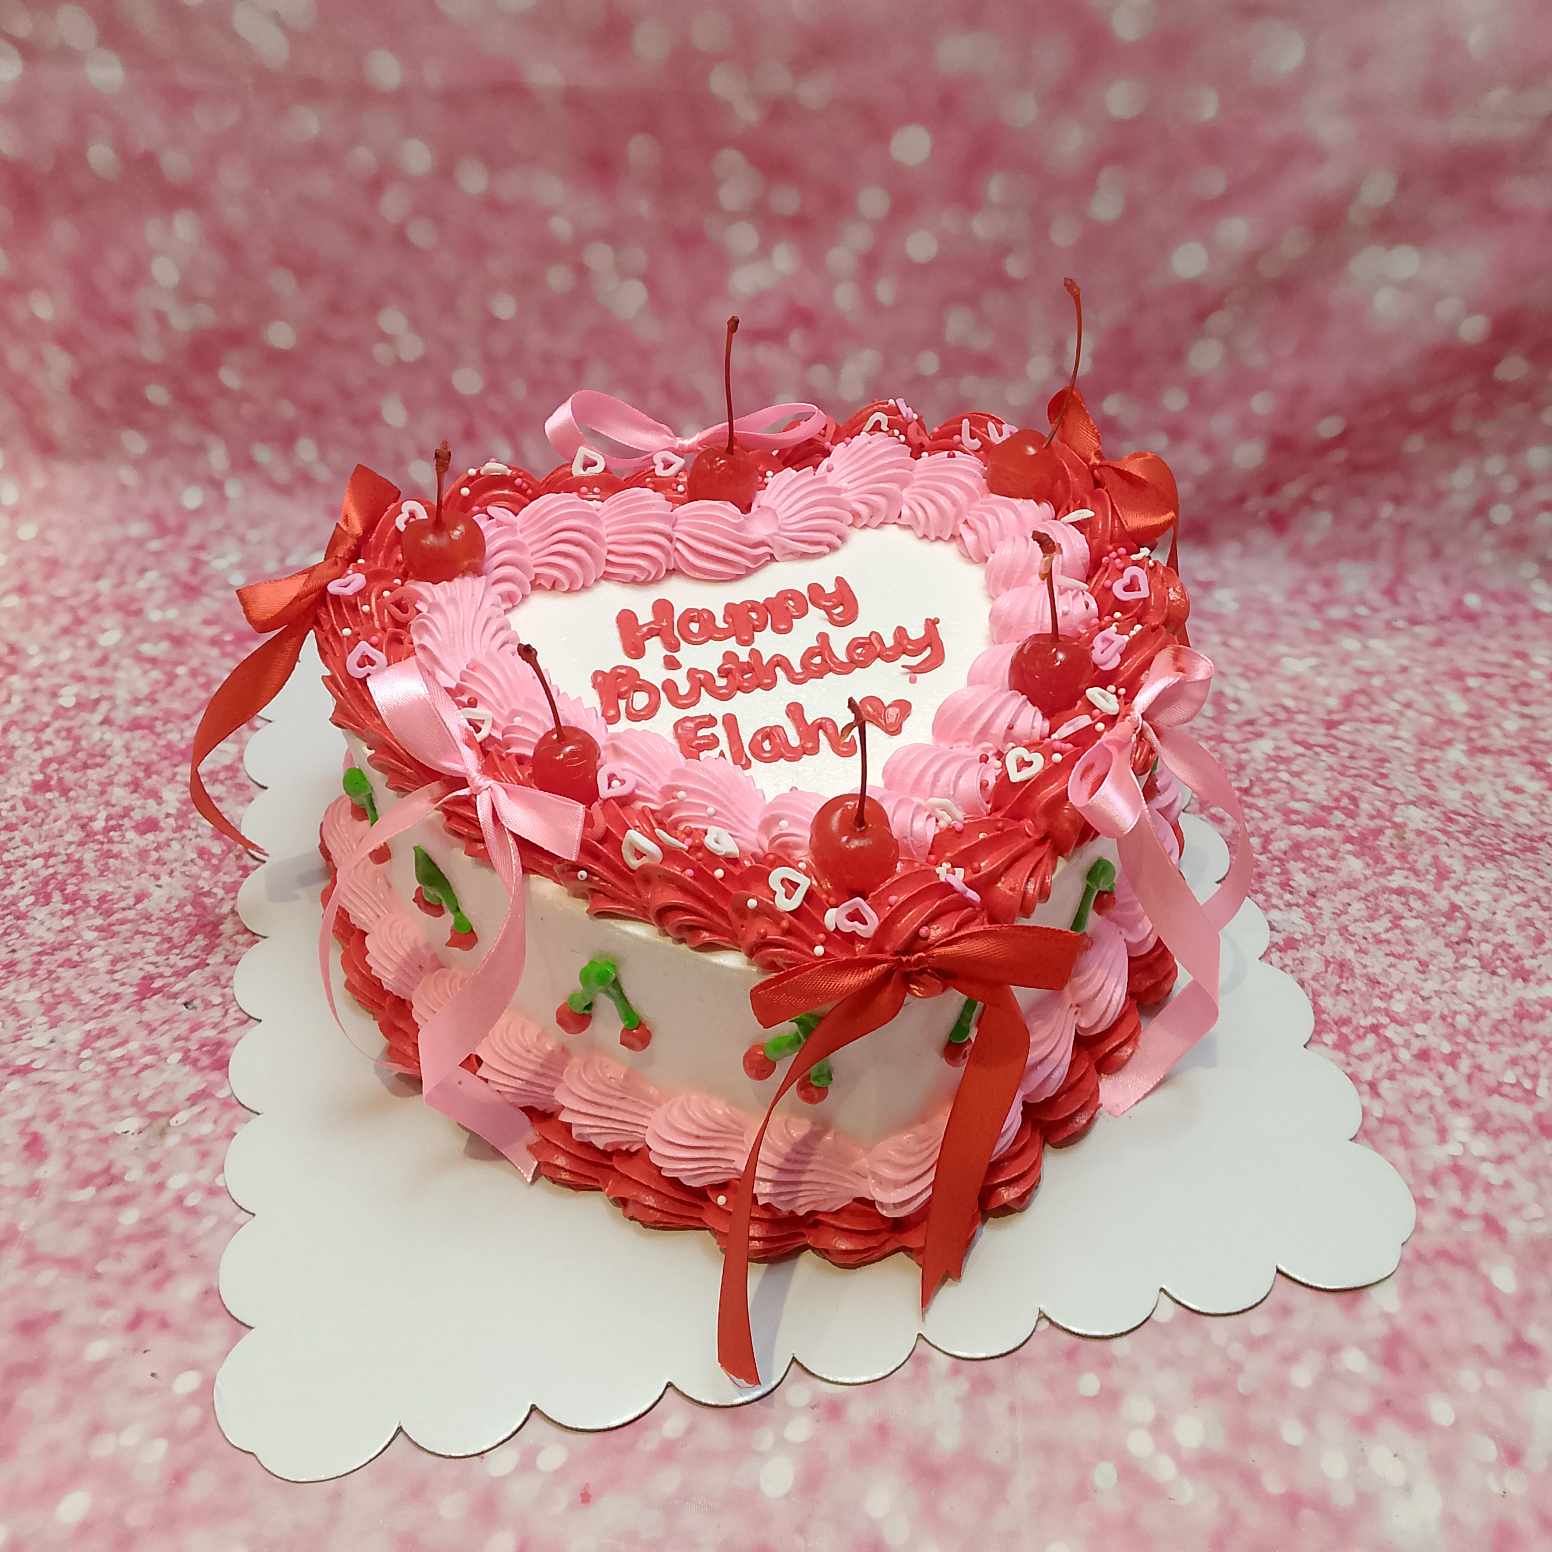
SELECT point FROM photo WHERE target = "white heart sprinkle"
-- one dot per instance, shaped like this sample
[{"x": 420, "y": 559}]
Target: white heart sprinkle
[
  {"x": 1102, "y": 700},
  {"x": 719, "y": 841},
  {"x": 637, "y": 850},
  {"x": 410, "y": 512},
  {"x": 1022, "y": 764},
  {"x": 877, "y": 421},
  {"x": 588, "y": 461},
  {"x": 789, "y": 888},
  {"x": 666, "y": 465},
  {"x": 946, "y": 809},
  {"x": 855, "y": 916}
]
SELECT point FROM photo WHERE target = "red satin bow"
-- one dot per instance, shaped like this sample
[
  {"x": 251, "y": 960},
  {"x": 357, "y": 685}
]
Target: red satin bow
[
  {"x": 285, "y": 605},
  {"x": 1140, "y": 486},
  {"x": 864, "y": 993}
]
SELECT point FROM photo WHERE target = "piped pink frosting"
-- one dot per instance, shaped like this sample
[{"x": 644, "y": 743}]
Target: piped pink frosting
[
  {"x": 638, "y": 528},
  {"x": 638, "y": 764},
  {"x": 565, "y": 536},
  {"x": 1126, "y": 915},
  {"x": 801, "y": 515},
  {"x": 785, "y": 822},
  {"x": 366, "y": 896},
  {"x": 874, "y": 472},
  {"x": 943, "y": 488},
  {"x": 699, "y": 1139},
  {"x": 805, "y": 1167},
  {"x": 398, "y": 954},
  {"x": 1098, "y": 985},
  {"x": 508, "y": 562},
  {"x": 702, "y": 793},
  {"x": 606, "y": 1104},
  {"x": 1022, "y": 611},
  {"x": 715, "y": 542},
  {"x": 985, "y": 718},
  {"x": 457, "y": 624},
  {"x": 964, "y": 776},
  {"x": 519, "y": 1060},
  {"x": 1052, "y": 1022}
]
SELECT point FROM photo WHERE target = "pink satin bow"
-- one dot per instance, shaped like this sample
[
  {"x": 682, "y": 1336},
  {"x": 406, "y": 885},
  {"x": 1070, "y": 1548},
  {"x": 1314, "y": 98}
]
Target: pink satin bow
[
  {"x": 1105, "y": 790},
  {"x": 628, "y": 440},
  {"x": 427, "y": 726}
]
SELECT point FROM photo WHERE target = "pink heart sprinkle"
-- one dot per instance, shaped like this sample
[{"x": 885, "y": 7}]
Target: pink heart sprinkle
[
  {"x": 348, "y": 585},
  {"x": 1132, "y": 584},
  {"x": 364, "y": 661}
]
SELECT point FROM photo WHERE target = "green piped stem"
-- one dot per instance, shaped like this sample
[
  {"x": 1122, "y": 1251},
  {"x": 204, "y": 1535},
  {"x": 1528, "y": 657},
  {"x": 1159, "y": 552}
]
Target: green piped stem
[
  {"x": 788, "y": 1041},
  {"x": 964, "y": 1025},
  {"x": 1100, "y": 877},
  {"x": 436, "y": 885},
  {"x": 359, "y": 790},
  {"x": 601, "y": 977}
]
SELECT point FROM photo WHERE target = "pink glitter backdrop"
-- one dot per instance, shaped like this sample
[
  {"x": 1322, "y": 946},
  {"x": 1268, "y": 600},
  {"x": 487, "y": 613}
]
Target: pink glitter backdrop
[{"x": 243, "y": 245}]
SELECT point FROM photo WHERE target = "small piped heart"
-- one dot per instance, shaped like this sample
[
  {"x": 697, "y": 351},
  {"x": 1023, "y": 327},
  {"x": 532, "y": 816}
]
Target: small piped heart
[
  {"x": 1131, "y": 585},
  {"x": 789, "y": 888},
  {"x": 1022, "y": 764},
  {"x": 638, "y": 850},
  {"x": 855, "y": 916}
]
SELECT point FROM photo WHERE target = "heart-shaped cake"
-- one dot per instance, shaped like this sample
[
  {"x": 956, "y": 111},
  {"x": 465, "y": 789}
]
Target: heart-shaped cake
[{"x": 717, "y": 670}]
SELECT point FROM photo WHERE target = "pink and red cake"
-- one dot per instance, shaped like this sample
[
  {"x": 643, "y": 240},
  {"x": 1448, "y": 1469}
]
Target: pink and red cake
[{"x": 731, "y": 625}]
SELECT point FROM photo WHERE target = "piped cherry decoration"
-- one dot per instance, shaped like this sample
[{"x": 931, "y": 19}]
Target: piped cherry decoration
[
  {"x": 852, "y": 847},
  {"x": 437, "y": 549},
  {"x": 565, "y": 758},
  {"x": 1046, "y": 670},
  {"x": 1032, "y": 465},
  {"x": 730, "y": 473}
]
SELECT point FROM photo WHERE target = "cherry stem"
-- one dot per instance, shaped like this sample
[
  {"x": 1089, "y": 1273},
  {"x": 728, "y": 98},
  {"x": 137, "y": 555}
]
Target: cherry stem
[
  {"x": 1077, "y": 356},
  {"x": 727, "y": 375},
  {"x": 860, "y": 727},
  {"x": 530, "y": 655},
  {"x": 441, "y": 459},
  {"x": 1048, "y": 566}
]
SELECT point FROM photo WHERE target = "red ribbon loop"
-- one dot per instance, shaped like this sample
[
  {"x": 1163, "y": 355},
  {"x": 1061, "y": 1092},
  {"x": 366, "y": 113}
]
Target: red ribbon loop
[
  {"x": 864, "y": 993},
  {"x": 1141, "y": 486},
  {"x": 285, "y": 605}
]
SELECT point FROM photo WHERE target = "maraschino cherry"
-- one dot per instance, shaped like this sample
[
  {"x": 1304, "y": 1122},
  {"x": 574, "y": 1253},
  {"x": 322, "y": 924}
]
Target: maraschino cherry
[
  {"x": 565, "y": 758},
  {"x": 730, "y": 473},
  {"x": 437, "y": 550},
  {"x": 852, "y": 846},
  {"x": 1045, "y": 669},
  {"x": 1033, "y": 466}
]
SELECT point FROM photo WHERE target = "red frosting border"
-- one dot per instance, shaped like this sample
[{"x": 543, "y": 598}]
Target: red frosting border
[{"x": 854, "y": 1235}]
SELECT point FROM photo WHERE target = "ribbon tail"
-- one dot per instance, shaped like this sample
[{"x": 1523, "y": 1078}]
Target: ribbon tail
[
  {"x": 1188, "y": 760},
  {"x": 868, "y": 1008},
  {"x": 1190, "y": 934},
  {"x": 404, "y": 815},
  {"x": 986, "y": 1092},
  {"x": 467, "y": 1099},
  {"x": 243, "y": 694},
  {"x": 447, "y": 1039}
]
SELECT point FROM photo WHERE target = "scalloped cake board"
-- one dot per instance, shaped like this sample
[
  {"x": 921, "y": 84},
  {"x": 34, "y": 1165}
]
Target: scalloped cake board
[{"x": 398, "y": 1275}]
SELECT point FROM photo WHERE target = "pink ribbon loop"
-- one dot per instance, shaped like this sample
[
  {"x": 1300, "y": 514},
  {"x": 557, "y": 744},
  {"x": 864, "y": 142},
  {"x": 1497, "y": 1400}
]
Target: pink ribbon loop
[
  {"x": 1104, "y": 788},
  {"x": 427, "y": 726},
  {"x": 628, "y": 439}
]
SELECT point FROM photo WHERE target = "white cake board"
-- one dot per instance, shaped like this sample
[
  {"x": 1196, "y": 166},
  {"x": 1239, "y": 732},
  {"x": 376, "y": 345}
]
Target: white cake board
[{"x": 398, "y": 1275}]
